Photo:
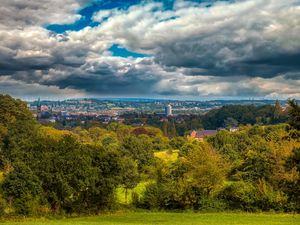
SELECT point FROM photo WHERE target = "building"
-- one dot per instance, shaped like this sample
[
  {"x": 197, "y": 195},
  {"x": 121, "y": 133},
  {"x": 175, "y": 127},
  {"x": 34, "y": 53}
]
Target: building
[
  {"x": 200, "y": 135},
  {"x": 168, "y": 110},
  {"x": 38, "y": 109}
]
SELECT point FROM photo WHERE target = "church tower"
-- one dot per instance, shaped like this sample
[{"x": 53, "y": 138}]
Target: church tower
[{"x": 38, "y": 108}]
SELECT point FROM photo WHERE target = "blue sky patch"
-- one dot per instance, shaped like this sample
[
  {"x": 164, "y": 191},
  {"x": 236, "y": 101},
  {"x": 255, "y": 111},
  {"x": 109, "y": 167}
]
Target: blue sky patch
[{"x": 118, "y": 50}]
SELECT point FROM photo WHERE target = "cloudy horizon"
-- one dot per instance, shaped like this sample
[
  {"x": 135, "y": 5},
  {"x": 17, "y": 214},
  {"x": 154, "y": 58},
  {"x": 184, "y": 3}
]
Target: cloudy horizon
[{"x": 237, "y": 49}]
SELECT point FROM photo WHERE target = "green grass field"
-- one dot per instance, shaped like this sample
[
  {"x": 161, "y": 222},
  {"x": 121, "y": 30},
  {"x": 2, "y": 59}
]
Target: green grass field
[{"x": 151, "y": 218}]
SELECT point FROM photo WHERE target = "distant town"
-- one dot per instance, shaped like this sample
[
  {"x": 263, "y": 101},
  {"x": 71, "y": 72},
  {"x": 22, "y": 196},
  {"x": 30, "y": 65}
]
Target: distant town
[{"x": 107, "y": 110}]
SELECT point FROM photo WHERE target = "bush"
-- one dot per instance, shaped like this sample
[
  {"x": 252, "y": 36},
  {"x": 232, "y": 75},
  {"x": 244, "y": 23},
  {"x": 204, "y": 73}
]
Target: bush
[
  {"x": 151, "y": 199},
  {"x": 211, "y": 204},
  {"x": 268, "y": 198},
  {"x": 26, "y": 205},
  {"x": 239, "y": 195},
  {"x": 135, "y": 199}
]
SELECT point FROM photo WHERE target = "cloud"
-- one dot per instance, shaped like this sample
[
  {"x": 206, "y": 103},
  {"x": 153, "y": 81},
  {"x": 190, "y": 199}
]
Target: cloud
[
  {"x": 220, "y": 87},
  {"x": 22, "y": 89},
  {"x": 18, "y": 13},
  {"x": 257, "y": 38},
  {"x": 111, "y": 75},
  {"x": 228, "y": 48},
  {"x": 103, "y": 14}
]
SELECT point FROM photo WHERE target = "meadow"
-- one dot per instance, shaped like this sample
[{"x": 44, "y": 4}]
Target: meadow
[{"x": 165, "y": 218}]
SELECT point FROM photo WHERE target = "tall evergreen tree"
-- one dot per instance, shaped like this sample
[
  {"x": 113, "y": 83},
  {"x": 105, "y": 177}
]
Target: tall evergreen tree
[{"x": 294, "y": 114}]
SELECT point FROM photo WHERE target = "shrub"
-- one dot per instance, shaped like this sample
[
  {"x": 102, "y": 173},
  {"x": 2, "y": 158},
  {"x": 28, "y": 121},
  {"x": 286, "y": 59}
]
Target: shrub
[{"x": 239, "y": 195}]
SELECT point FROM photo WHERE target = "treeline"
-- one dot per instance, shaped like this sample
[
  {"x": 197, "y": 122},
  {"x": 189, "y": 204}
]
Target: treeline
[
  {"x": 234, "y": 115},
  {"x": 226, "y": 116},
  {"x": 44, "y": 170}
]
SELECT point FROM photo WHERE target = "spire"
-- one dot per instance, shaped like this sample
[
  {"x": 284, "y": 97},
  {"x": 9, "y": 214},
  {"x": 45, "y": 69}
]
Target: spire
[{"x": 38, "y": 108}]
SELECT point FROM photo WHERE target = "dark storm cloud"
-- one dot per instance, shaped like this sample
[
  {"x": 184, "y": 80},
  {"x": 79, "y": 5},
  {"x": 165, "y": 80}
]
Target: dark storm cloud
[
  {"x": 118, "y": 77},
  {"x": 109, "y": 85},
  {"x": 9, "y": 66},
  {"x": 205, "y": 60},
  {"x": 285, "y": 61}
]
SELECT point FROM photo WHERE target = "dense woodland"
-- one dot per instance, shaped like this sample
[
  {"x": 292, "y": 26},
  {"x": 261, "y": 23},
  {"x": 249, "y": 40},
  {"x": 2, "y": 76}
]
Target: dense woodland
[{"x": 44, "y": 170}]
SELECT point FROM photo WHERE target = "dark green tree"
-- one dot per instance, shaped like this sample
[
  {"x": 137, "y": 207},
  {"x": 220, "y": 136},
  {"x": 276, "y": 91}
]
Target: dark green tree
[
  {"x": 230, "y": 122},
  {"x": 23, "y": 189},
  {"x": 140, "y": 149},
  {"x": 294, "y": 114}
]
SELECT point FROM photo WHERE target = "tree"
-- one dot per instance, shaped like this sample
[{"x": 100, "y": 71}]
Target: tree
[
  {"x": 206, "y": 169},
  {"x": 178, "y": 142},
  {"x": 292, "y": 185},
  {"x": 277, "y": 110},
  {"x": 129, "y": 174},
  {"x": 230, "y": 122},
  {"x": 165, "y": 128},
  {"x": 139, "y": 148},
  {"x": 294, "y": 114},
  {"x": 172, "y": 130},
  {"x": 23, "y": 189}
]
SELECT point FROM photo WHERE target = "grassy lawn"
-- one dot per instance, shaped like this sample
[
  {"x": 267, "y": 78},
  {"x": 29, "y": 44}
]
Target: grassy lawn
[{"x": 151, "y": 218}]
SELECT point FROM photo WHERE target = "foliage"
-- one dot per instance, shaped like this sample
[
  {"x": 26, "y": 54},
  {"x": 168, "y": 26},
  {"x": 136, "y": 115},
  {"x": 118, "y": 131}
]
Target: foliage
[
  {"x": 82, "y": 169},
  {"x": 129, "y": 174},
  {"x": 140, "y": 149},
  {"x": 186, "y": 182},
  {"x": 232, "y": 115},
  {"x": 294, "y": 114},
  {"x": 23, "y": 189}
]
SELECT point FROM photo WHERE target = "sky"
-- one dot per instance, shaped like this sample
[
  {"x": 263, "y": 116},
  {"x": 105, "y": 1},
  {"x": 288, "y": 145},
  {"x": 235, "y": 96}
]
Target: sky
[{"x": 209, "y": 49}]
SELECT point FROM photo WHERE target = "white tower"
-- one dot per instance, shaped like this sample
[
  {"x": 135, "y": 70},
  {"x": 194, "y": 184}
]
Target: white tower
[{"x": 168, "y": 110}]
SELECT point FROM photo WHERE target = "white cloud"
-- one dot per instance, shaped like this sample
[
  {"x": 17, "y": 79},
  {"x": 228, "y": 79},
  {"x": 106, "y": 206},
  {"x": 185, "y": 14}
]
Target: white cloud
[{"x": 20, "y": 13}]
